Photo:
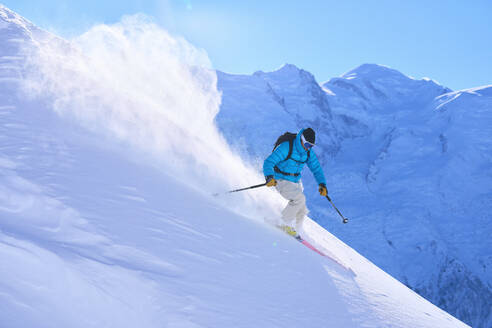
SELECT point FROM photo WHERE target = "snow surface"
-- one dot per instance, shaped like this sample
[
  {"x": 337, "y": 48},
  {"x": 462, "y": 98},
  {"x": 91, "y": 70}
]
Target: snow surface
[{"x": 106, "y": 215}]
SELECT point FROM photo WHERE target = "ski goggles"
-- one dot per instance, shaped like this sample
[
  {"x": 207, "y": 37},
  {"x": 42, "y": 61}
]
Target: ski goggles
[{"x": 306, "y": 144}]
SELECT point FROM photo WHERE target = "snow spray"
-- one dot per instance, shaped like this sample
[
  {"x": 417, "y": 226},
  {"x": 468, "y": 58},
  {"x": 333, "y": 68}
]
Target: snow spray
[{"x": 135, "y": 82}]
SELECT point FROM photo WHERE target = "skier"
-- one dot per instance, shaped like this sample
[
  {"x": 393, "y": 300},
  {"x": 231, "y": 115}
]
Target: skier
[{"x": 282, "y": 169}]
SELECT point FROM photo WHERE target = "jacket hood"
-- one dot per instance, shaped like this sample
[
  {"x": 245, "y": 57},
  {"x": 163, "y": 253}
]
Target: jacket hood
[{"x": 298, "y": 144}]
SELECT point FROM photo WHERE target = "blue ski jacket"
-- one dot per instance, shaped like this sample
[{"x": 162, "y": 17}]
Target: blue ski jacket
[{"x": 294, "y": 164}]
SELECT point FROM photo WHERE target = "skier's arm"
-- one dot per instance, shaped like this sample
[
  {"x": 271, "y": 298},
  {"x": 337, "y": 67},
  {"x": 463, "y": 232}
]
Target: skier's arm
[
  {"x": 276, "y": 157},
  {"x": 315, "y": 167}
]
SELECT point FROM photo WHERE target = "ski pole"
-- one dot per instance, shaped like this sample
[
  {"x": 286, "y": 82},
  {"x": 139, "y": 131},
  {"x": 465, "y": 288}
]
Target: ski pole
[
  {"x": 236, "y": 190},
  {"x": 344, "y": 219}
]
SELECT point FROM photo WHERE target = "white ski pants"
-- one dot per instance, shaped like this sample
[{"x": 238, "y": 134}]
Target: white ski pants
[{"x": 296, "y": 209}]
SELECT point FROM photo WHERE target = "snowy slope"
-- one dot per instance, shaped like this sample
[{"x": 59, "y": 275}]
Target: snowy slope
[
  {"x": 98, "y": 229},
  {"x": 408, "y": 160},
  {"x": 97, "y": 240}
]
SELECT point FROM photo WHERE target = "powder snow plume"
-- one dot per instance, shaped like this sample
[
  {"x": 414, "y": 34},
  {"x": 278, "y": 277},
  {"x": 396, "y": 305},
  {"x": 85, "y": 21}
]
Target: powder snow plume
[{"x": 135, "y": 82}]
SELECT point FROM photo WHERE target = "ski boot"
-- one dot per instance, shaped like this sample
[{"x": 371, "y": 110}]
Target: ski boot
[{"x": 290, "y": 231}]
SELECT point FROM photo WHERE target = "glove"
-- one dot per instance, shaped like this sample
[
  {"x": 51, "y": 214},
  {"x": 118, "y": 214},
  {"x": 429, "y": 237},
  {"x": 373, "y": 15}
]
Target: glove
[
  {"x": 270, "y": 181},
  {"x": 322, "y": 190}
]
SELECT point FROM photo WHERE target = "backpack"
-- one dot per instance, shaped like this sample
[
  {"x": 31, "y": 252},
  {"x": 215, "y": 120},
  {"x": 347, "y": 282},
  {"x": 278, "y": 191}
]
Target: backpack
[{"x": 290, "y": 137}]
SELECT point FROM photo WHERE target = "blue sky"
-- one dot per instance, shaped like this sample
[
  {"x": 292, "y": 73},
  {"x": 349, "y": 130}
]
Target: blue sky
[{"x": 449, "y": 41}]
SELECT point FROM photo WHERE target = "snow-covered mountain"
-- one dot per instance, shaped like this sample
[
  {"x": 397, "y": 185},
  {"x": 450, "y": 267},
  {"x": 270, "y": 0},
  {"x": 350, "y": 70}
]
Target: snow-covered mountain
[
  {"x": 104, "y": 223},
  {"x": 408, "y": 160}
]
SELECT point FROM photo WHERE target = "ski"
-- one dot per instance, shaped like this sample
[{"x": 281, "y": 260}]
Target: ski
[
  {"x": 314, "y": 249},
  {"x": 308, "y": 245},
  {"x": 291, "y": 232}
]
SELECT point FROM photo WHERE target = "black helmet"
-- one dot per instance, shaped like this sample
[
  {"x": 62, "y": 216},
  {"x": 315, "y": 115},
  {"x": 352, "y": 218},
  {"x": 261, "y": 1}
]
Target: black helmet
[{"x": 309, "y": 135}]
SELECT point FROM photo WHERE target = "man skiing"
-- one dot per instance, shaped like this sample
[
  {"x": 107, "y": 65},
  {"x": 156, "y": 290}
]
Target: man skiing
[{"x": 282, "y": 169}]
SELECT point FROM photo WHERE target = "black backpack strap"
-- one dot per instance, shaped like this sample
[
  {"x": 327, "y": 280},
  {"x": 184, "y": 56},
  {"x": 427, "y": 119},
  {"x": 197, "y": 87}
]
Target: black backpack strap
[
  {"x": 276, "y": 169},
  {"x": 291, "y": 147},
  {"x": 307, "y": 159},
  {"x": 289, "y": 154}
]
